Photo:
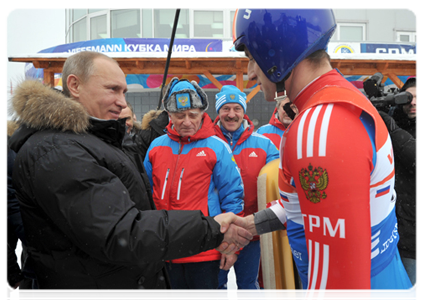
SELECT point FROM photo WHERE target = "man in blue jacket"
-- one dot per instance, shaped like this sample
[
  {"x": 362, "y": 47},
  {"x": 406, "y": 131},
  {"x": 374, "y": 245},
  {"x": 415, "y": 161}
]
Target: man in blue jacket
[{"x": 252, "y": 151}]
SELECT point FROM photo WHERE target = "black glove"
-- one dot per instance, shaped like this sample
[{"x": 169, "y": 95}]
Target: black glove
[{"x": 389, "y": 121}]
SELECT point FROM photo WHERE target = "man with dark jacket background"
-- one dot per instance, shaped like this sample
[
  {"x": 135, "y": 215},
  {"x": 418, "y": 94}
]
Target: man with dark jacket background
[
  {"x": 402, "y": 129},
  {"x": 14, "y": 224},
  {"x": 279, "y": 121},
  {"x": 153, "y": 125},
  {"x": 89, "y": 218}
]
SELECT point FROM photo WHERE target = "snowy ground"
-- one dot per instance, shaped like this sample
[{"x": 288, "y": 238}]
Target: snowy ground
[{"x": 231, "y": 281}]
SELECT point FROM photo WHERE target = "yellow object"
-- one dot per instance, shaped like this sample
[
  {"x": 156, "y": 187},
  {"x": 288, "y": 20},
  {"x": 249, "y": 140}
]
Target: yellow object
[{"x": 276, "y": 258}]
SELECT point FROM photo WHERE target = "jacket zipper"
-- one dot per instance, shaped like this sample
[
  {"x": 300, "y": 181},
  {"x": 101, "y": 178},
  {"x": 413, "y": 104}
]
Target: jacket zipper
[
  {"x": 164, "y": 186},
  {"x": 176, "y": 165},
  {"x": 179, "y": 185}
]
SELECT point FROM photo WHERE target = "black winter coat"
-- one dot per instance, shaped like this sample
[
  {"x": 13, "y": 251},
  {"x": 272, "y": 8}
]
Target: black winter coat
[
  {"x": 14, "y": 226},
  {"x": 152, "y": 126},
  {"x": 404, "y": 145},
  {"x": 88, "y": 215}
]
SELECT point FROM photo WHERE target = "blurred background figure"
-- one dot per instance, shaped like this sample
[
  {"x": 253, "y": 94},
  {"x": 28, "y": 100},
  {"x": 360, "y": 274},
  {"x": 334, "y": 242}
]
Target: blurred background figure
[
  {"x": 128, "y": 113},
  {"x": 278, "y": 122},
  {"x": 153, "y": 125},
  {"x": 402, "y": 129}
]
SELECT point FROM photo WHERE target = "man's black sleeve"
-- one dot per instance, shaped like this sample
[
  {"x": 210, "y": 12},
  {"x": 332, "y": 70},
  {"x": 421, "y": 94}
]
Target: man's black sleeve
[{"x": 403, "y": 143}]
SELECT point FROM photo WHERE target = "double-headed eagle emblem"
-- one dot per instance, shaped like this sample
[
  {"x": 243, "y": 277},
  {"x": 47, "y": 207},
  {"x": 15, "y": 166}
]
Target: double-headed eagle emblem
[
  {"x": 313, "y": 182},
  {"x": 183, "y": 100}
]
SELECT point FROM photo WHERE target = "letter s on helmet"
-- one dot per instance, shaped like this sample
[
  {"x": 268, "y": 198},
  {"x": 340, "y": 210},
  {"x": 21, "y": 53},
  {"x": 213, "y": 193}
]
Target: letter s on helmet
[{"x": 278, "y": 39}]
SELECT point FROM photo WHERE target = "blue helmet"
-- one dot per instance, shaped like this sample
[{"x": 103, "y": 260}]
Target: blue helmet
[{"x": 278, "y": 39}]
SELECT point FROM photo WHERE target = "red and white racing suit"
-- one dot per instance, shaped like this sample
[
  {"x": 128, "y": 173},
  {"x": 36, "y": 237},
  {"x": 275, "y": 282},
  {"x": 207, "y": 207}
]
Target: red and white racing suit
[{"x": 336, "y": 181}]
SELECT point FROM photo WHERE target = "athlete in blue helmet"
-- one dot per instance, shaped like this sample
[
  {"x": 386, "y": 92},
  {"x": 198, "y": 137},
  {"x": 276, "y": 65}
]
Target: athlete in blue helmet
[{"x": 336, "y": 177}]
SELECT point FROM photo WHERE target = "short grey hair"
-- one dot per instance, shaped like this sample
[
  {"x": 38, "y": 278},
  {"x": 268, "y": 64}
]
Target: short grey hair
[
  {"x": 81, "y": 65},
  {"x": 278, "y": 102}
]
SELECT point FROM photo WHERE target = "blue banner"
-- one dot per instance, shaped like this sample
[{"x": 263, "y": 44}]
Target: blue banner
[
  {"x": 129, "y": 45},
  {"x": 139, "y": 45},
  {"x": 388, "y": 48}
]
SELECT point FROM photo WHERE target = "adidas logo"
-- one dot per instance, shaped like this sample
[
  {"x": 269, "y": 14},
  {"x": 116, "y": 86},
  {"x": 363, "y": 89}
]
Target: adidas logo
[
  {"x": 201, "y": 153},
  {"x": 253, "y": 154}
]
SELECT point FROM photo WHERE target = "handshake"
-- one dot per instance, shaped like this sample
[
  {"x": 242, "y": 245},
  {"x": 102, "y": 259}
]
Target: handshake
[{"x": 237, "y": 232}]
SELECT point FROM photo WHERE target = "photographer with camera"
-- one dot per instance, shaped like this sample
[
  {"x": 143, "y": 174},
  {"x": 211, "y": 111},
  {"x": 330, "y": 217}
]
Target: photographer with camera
[{"x": 402, "y": 129}]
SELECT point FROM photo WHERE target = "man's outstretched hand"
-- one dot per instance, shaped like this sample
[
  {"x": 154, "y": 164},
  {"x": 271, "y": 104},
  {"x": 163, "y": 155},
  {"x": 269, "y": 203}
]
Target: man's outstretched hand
[{"x": 236, "y": 236}]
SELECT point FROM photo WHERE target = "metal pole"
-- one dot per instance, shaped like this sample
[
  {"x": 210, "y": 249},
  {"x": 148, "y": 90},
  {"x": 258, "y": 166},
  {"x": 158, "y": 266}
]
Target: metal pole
[{"x": 175, "y": 25}]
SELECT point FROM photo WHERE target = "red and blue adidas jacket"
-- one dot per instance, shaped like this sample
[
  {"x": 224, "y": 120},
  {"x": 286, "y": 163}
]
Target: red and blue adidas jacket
[
  {"x": 336, "y": 183},
  {"x": 252, "y": 151},
  {"x": 194, "y": 173},
  {"x": 274, "y": 130}
]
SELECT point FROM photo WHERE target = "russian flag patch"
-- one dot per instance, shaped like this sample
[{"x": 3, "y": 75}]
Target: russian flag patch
[
  {"x": 383, "y": 191},
  {"x": 284, "y": 197}
]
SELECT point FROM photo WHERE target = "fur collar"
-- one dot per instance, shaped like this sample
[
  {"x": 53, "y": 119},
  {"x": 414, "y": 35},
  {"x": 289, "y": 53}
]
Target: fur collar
[
  {"x": 148, "y": 117},
  {"x": 41, "y": 107},
  {"x": 137, "y": 126},
  {"x": 11, "y": 127}
]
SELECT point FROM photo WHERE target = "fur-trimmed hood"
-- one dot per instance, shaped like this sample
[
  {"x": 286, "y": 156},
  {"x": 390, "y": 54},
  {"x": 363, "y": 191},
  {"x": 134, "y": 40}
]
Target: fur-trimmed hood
[
  {"x": 41, "y": 107},
  {"x": 137, "y": 126},
  {"x": 148, "y": 117},
  {"x": 11, "y": 127}
]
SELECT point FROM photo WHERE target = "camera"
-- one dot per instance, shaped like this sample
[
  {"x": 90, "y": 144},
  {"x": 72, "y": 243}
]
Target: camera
[{"x": 374, "y": 89}]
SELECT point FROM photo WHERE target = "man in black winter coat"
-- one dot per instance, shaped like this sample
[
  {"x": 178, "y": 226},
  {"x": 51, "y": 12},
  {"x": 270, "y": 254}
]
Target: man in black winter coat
[
  {"x": 153, "y": 125},
  {"x": 402, "y": 129},
  {"x": 14, "y": 227},
  {"x": 87, "y": 210}
]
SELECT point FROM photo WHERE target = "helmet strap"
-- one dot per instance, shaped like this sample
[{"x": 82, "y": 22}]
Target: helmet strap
[
  {"x": 280, "y": 86},
  {"x": 280, "y": 97}
]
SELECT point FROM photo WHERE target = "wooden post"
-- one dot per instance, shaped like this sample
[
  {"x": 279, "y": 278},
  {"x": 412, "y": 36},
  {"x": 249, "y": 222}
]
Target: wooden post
[
  {"x": 49, "y": 77},
  {"x": 396, "y": 80},
  {"x": 213, "y": 79},
  {"x": 240, "y": 80},
  {"x": 253, "y": 93},
  {"x": 276, "y": 256},
  {"x": 384, "y": 78}
]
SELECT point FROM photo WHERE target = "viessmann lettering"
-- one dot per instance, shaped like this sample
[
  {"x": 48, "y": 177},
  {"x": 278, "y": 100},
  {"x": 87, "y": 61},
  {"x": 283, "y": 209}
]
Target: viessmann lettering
[
  {"x": 134, "y": 48},
  {"x": 325, "y": 224}
]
